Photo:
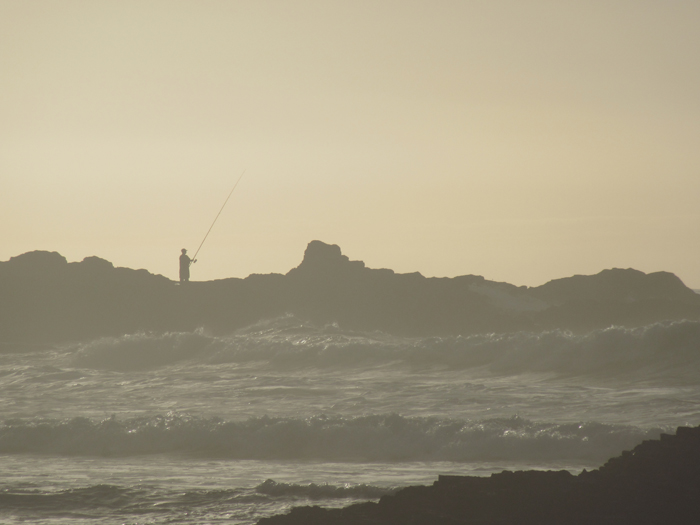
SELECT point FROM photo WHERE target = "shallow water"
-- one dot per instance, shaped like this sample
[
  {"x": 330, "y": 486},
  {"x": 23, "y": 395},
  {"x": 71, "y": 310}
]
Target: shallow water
[{"x": 192, "y": 428}]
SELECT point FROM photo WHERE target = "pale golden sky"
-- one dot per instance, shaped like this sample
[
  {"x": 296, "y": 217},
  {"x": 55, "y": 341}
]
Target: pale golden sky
[{"x": 519, "y": 140}]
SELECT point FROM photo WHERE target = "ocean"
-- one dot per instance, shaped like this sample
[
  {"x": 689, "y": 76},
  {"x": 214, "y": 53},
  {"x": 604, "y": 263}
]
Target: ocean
[{"x": 195, "y": 428}]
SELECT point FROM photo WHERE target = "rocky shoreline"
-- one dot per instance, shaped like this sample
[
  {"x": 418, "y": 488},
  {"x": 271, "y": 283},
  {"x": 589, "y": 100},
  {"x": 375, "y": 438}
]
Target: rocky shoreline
[
  {"x": 45, "y": 299},
  {"x": 658, "y": 483}
]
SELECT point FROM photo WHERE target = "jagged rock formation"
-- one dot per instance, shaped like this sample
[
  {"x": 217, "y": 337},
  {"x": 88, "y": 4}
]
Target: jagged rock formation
[
  {"x": 656, "y": 483},
  {"x": 43, "y": 298}
]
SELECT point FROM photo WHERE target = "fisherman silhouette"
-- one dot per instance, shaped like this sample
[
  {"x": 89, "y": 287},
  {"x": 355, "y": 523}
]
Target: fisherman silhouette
[{"x": 185, "y": 262}]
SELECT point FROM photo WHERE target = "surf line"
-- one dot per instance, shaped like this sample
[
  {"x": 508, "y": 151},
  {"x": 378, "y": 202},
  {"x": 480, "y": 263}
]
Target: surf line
[{"x": 217, "y": 216}]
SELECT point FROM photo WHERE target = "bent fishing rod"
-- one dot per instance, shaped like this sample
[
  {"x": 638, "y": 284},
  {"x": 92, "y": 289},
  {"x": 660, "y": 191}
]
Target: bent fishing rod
[{"x": 194, "y": 259}]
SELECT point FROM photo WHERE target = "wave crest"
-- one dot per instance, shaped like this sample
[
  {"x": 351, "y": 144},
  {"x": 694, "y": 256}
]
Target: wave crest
[
  {"x": 323, "y": 491},
  {"x": 658, "y": 348},
  {"x": 367, "y": 439}
]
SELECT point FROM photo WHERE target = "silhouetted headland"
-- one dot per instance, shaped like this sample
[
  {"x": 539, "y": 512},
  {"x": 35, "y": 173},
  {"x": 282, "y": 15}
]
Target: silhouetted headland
[
  {"x": 43, "y": 298},
  {"x": 658, "y": 482}
]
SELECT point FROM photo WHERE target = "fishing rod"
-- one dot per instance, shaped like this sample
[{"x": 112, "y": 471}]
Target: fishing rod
[{"x": 217, "y": 216}]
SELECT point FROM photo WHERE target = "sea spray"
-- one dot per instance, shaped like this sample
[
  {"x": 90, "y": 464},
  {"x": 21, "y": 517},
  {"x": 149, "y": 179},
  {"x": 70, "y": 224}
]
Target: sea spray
[{"x": 670, "y": 347}]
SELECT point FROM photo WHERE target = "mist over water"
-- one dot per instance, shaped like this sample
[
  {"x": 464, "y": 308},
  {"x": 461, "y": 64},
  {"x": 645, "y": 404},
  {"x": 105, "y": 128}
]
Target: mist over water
[{"x": 149, "y": 427}]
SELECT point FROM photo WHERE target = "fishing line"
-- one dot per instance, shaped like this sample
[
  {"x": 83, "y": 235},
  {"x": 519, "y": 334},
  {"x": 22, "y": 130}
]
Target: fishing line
[{"x": 217, "y": 216}]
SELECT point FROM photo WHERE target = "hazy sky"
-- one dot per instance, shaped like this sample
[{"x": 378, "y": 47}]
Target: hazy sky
[{"x": 518, "y": 140}]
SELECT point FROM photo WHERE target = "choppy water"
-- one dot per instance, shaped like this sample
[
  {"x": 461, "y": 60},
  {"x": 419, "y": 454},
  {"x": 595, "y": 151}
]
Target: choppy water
[{"x": 192, "y": 428}]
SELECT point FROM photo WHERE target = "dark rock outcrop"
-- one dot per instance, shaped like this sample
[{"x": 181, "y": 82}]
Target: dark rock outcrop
[
  {"x": 656, "y": 483},
  {"x": 43, "y": 298}
]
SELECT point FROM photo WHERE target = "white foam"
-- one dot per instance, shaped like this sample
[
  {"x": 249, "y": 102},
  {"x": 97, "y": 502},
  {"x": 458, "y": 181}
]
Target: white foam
[
  {"x": 370, "y": 438},
  {"x": 670, "y": 348}
]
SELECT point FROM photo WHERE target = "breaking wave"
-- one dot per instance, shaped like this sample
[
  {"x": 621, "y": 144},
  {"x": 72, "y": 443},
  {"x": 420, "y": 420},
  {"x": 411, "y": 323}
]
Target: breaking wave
[
  {"x": 324, "y": 491},
  {"x": 375, "y": 438},
  {"x": 658, "y": 348},
  {"x": 147, "y": 500}
]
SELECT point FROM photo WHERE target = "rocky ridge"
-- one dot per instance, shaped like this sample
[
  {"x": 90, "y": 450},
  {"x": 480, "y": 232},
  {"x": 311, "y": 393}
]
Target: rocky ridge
[{"x": 45, "y": 299}]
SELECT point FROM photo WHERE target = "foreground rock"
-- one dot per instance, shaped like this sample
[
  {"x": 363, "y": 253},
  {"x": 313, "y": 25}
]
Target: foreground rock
[
  {"x": 656, "y": 483},
  {"x": 45, "y": 299}
]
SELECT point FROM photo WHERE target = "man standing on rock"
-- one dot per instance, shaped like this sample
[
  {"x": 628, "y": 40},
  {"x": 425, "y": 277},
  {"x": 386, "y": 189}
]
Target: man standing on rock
[{"x": 185, "y": 262}]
